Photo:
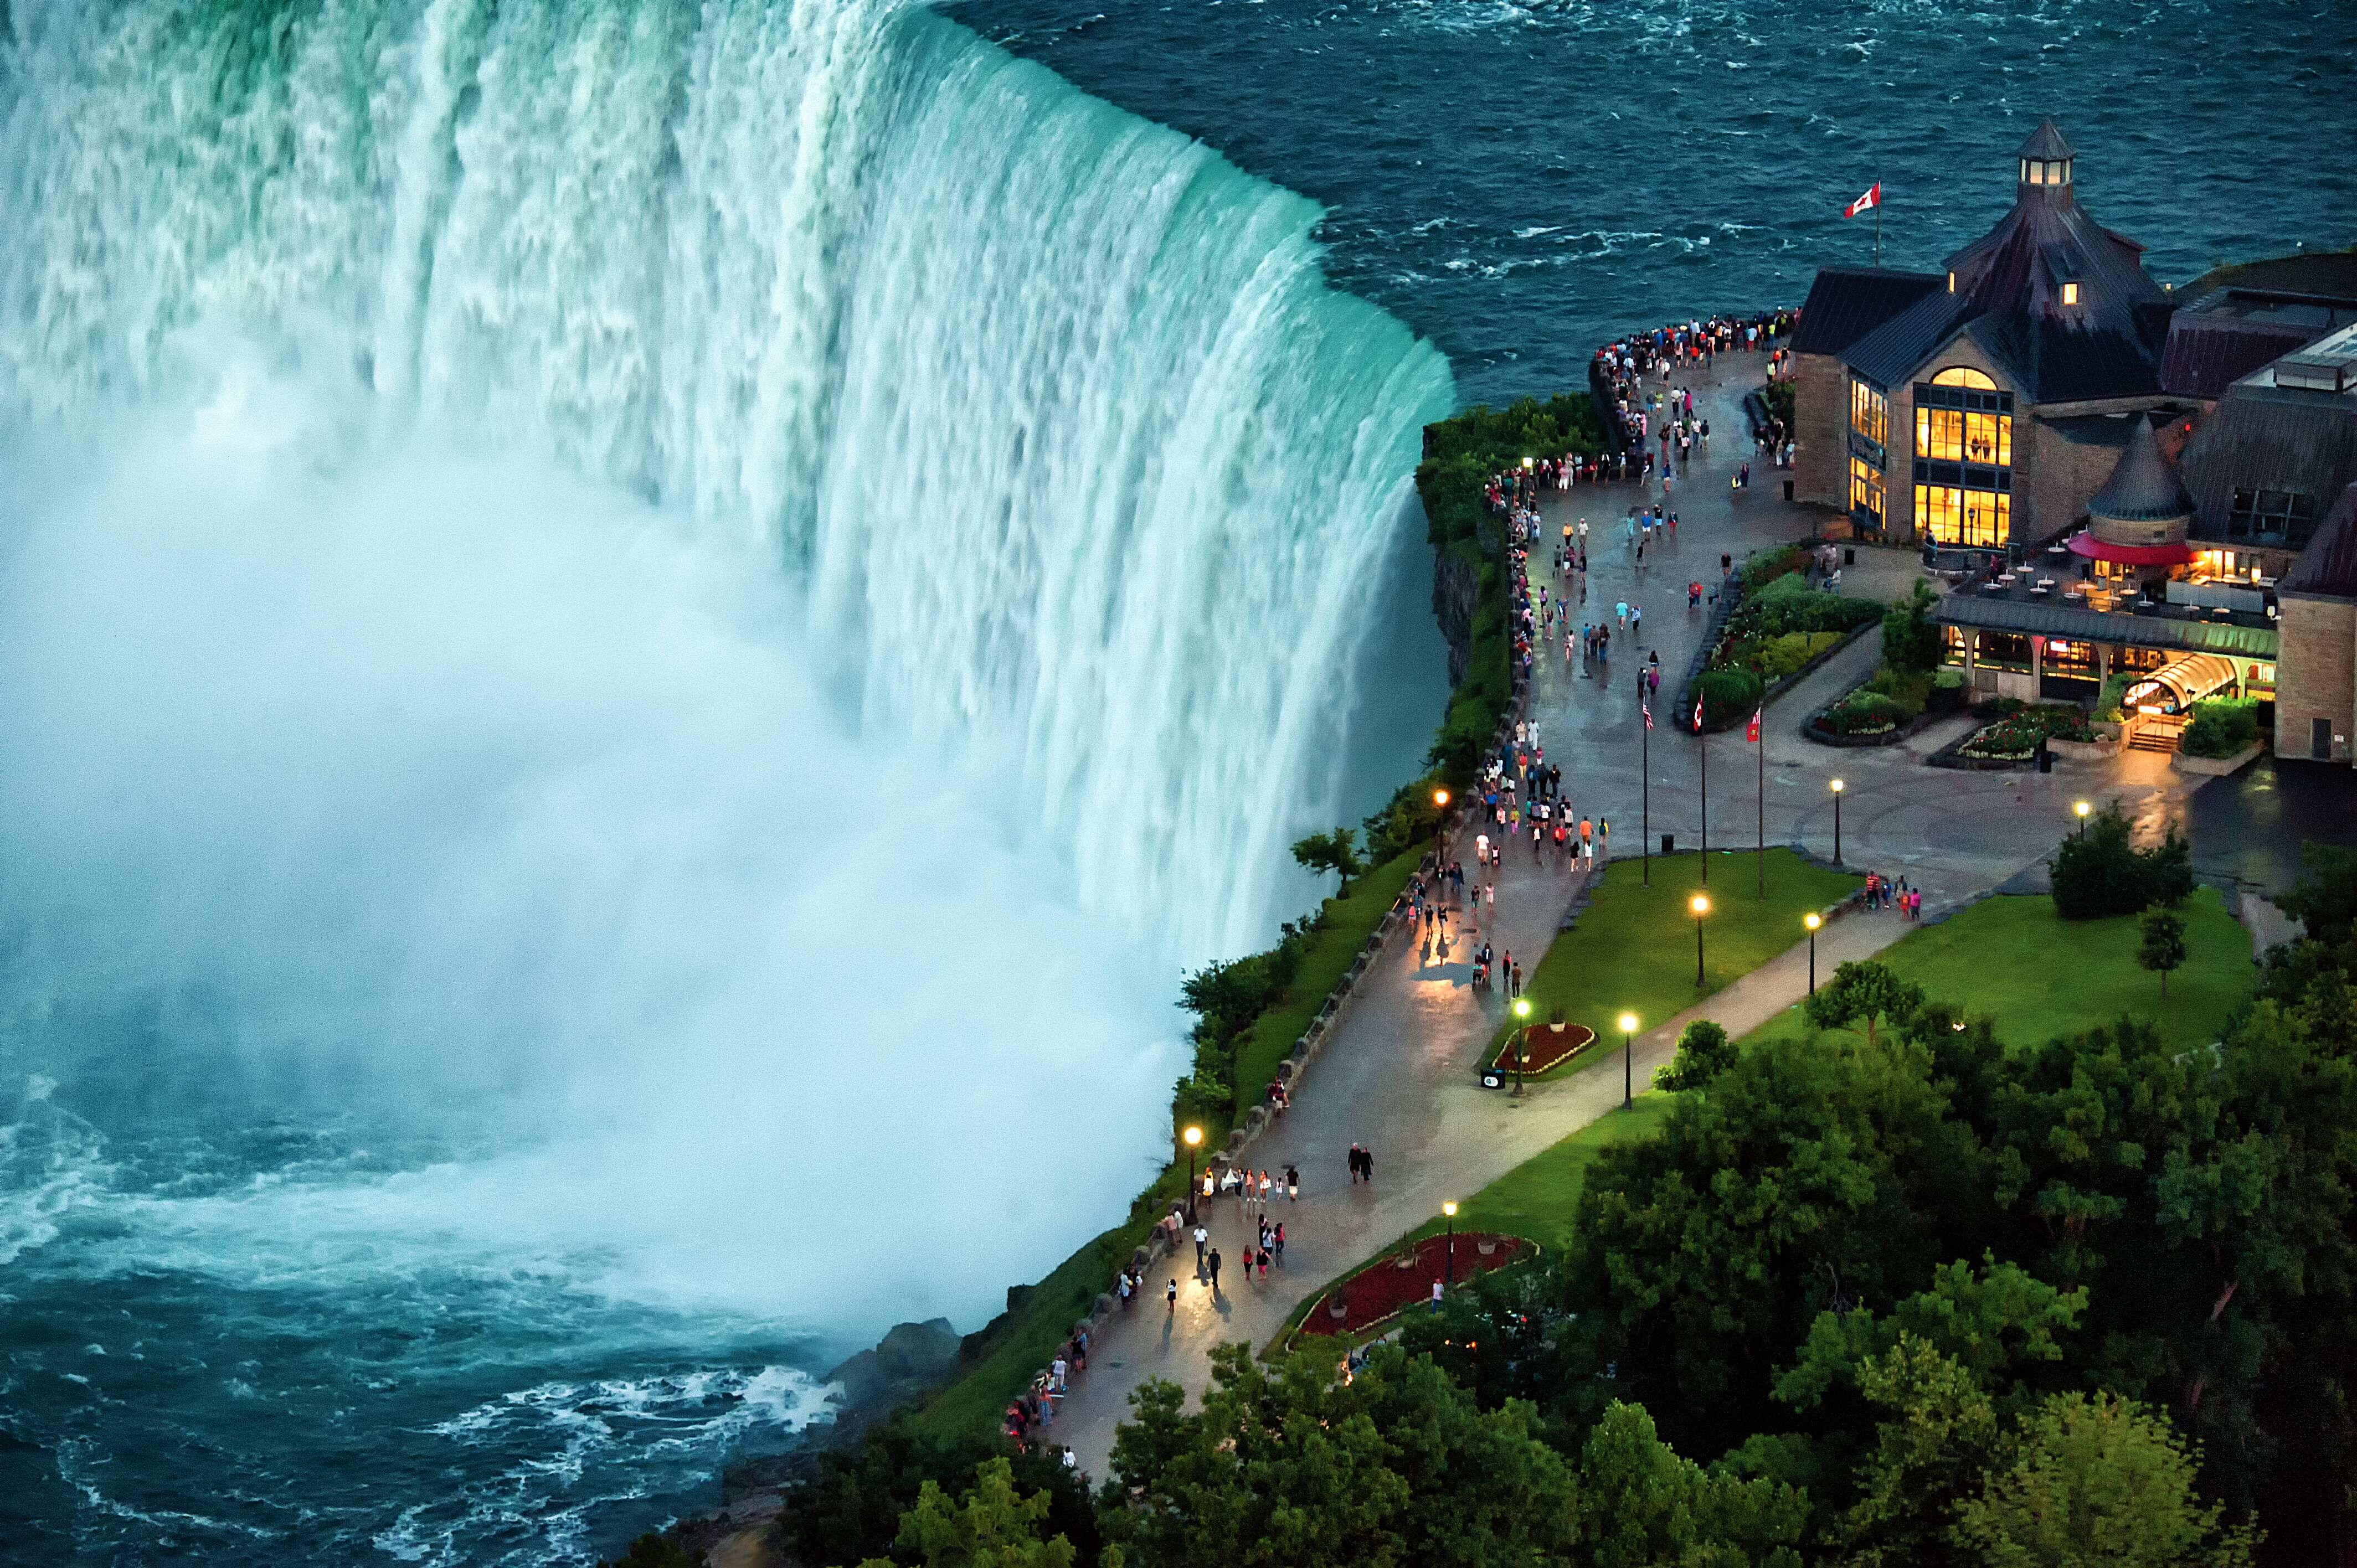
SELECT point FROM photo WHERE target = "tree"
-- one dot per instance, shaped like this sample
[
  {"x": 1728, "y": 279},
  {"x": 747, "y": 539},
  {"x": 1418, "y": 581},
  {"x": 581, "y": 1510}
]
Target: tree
[
  {"x": 655, "y": 1550},
  {"x": 1911, "y": 642},
  {"x": 2325, "y": 902},
  {"x": 1336, "y": 851},
  {"x": 1864, "y": 992},
  {"x": 2164, "y": 943},
  {"x": 1638, "y": 1503},
  {"x": 2094, "y": 1480},
  {"x": 992, "y": 1525},
  {"x": 1703, "y": 1052},
  {"x": 1937, "y": 1431},
  {"x": 2099, "y": 872}
]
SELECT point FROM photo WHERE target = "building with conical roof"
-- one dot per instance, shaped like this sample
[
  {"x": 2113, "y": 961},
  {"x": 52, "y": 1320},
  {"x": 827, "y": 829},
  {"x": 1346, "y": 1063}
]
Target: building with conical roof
[
  {"x": 1978, "y": 405},
  {"x": 2161, "y": 492}
]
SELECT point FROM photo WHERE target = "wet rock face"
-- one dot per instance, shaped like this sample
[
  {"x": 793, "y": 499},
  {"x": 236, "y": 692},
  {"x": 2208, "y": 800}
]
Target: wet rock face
[
  {"x": 1456, "y": 593},
  {"x": 909, "y": 1359}
]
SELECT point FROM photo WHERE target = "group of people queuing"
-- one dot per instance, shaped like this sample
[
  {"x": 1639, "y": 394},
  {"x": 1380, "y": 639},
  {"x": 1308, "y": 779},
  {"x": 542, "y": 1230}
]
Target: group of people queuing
[
  {"x": 1694, "y": 344},
  {"x": 1030, "y": 1413}
]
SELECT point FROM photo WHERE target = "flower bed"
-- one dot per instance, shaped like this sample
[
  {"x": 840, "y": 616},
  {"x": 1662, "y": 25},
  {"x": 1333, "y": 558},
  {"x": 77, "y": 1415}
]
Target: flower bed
[
  {"x": 1550, "y": 1047},
  {"x": 1386, "y": 1288},
  {"x": 2017, "y": 728}
]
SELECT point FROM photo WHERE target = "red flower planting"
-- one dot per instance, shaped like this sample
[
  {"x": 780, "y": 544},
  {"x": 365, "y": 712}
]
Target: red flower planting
[
  {"x": 1383, "y": 1287},
  {"x": 1549, "y": 1047}
]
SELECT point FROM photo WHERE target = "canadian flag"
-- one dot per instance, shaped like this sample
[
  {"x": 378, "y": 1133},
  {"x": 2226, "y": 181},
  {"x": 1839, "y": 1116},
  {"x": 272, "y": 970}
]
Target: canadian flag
[
  {"x": 1698, "y": 715},
  {"x": 1751, "y": 730},
  {"x": 1873, "y": 197}
]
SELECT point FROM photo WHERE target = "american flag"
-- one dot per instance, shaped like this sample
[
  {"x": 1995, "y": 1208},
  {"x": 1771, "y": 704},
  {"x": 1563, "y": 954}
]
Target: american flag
[{"x": 1649, "y": 712}]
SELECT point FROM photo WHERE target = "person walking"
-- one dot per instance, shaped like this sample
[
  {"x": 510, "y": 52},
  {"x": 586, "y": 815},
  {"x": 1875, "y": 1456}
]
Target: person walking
[
  {"x": 1435, "y": 1295},
  {"x": 1201, "y": 1237},
  {"x": 1292, "y": 1185},
  {"x": 1215, "y": 1271},
  {"x": 1171, "y": 1299}
]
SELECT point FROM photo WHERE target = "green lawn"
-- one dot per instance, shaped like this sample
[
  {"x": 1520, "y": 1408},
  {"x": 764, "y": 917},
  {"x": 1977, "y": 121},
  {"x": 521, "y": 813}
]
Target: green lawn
[
  {"x": 1633, "y": 949},
  {"x": 1536, "y": 1197},
  {"x": 2038, "y": 976},
  {"x": 1349, "y": 923}
]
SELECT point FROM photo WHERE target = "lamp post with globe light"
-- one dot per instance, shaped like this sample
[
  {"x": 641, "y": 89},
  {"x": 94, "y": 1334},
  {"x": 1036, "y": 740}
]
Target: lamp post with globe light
[
  {"x": 1837, "y": 795},
  {"x": 1813, "y": 920},
  {"x": 1449, "y": 1210},
  {"x": 1522, "y": 1040},
  {"x": 1701, "y": 906},
  {"x": 1193, "y": 1138},
  {"x": 2083, "y": 809},
  {"x": 1627, "y": 1060}
]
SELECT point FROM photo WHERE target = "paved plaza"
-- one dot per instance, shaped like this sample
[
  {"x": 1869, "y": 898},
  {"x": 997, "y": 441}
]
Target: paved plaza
[{"x": 1398, "y": 1074}]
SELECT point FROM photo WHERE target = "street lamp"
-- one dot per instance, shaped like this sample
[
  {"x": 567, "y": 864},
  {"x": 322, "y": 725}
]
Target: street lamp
[
  {"x": 2083, "y": 809},
  {"x": 1193, "y": 1138},
  {"x": 1837, "y": 795},
  {"x": 1813, "y": 920},
  {"x": 1522, "y": 1040},
  {"x": 1628, "y": 1068},
  {"x": 1449, "y": 1208},
  {"x": 1701, "y": 906},
  {"x": 1439, "y": 820}
]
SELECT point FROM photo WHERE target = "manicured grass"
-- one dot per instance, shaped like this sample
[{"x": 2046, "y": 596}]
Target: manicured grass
[
  {"x": 1633, "y": 949},
  {"x": 2038, "y": 976},
  {"x": 1349, "y": 923}
]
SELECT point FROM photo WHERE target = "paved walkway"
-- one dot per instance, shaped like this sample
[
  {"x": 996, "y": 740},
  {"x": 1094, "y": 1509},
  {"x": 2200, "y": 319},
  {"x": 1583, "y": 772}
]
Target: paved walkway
[{"x": 1398, "y": 1073}]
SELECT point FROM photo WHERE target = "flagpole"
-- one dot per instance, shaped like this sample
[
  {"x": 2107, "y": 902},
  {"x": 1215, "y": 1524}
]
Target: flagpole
[
  {"x": 1763, "y": 810},
  {"x": 1703, "y": 741},
  {"x": 1645, "y": 774},
  {"x": 1878, "y": 232}
]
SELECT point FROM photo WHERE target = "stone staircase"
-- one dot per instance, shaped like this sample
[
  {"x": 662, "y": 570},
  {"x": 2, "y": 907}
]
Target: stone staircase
[{"x": 2157, "y": 731}]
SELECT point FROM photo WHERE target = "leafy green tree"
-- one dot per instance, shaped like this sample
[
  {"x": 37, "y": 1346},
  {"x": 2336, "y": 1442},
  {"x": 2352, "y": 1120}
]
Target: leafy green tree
[
  {"x": 992, "y": 1525},
  {"x": 2094, "y": 1479},
  {"x": 1703, "y": 1052},
  {"x": 1336, "y": 851},
  {"x": 1911, "y": 642},
  {"x": 1639, "y": 1504},
  {"x": 1866, "y": 993},
  {"x": 2325, "y": 901},
  {"x": 1997, "y": 1322},
  {"x": 2163, "y": 947},
  {"x": 1286, "y": 1466},
  {"x": 1937, "y": 1431},
  {"x": 2100, "y": 872},
  {"x": 853, "y": 1507}
]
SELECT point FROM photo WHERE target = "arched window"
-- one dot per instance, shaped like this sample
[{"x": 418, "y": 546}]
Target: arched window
[{"x": 1962, "y": 376}]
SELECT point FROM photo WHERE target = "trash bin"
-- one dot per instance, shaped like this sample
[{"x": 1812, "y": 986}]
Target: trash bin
[
  {"x": 1669, "y": 843},
  {"x": 1787, "y": 490},
  {"x": 1849, "y": 555},
  {"x": 2045, "y": 758}
]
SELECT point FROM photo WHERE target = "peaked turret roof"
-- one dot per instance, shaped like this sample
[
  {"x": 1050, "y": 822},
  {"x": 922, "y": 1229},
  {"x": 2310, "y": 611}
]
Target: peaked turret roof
[
  {"x": 2144, "y": 485},
  {"x": 2046, "y": 142},
  {"x": 2061, "y": 302}
]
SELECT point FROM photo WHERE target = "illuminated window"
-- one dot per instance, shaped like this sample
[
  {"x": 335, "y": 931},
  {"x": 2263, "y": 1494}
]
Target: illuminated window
[
  {"x": 2070, "y": 294},
  {"x": 1869, "y": 411},
  {"x": 1951, "y": 280},
  {"x": 2070, "y": 658},
  {"x": 1866, "y": 491},
  {"x": 2003, "y": 651},
  {"x": 1952, "y": 647},
  {"x": 1950, "y": 514},
  {"x": 1962, "y": 376},
  {"x": 2037, "y": 172}
]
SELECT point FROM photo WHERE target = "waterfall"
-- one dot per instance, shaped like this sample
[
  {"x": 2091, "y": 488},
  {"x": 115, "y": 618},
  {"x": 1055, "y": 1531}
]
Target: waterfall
[{"x": 1049, "y": 409}]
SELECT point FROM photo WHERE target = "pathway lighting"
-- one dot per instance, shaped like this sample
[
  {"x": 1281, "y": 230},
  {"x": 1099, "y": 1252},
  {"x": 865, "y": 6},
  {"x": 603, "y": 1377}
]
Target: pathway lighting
[
  {"x": 1837, "y": 795},
  {"x": 1193, "y": 1138},
  {"x": 1701, "y": 906},
  {"x": 1628, "y": 1069},
  {"x": 2084, "y": 808},
  {"x": 1449, "y": 1210},
  {"x": 1522, "y": 1040},
  {"x": 1813, "y": 920}
]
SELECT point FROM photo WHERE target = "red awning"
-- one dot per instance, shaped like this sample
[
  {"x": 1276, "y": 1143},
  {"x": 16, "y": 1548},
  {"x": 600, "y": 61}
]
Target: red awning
[{"x": 2093, "y": 549}]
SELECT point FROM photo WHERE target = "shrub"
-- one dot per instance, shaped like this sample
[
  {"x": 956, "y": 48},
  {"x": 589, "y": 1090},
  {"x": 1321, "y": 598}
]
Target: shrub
[
  {"x": 1910, "y": 643},
  {"x": 1762, "y": 569},
  {"x": 1703, "y": 1052},
  {"x": 1865, "y": 712},
  {"x": 2111, "y": 701},
  {"x": 1911, "y": 691},
  {"x": 2099, "y": 873},
  {"x": 1781, "y": 656},
  {"x": 1728, "y": 696},
  {"x": 2220, "y": 728},
  {"x": 1947, "y": 693}
]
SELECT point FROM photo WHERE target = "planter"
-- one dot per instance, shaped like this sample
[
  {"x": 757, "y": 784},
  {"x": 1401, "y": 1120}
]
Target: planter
[
  {"x": 1338, "y": 1309},
  {"x": 1485, "y": 1247},
  {"x": 1549, "y": 1049},
  {"x": 2097, "y": 750},
  {"x": 2109, "y": 729},
  {"x": 1394, "y": 1285},
  {"x": 2215, "y": 767}
]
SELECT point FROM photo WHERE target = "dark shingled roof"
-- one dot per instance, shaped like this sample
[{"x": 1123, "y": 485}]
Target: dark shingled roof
[
  {"x": 2008, "y": 296},
  {"x": 2329, "y": 567},
  {"x": 2228, "y": 333},
  {"x": 2046, "y": 142},
  {"x": 2265, "y": 437},
  {"x": 2330, "y": 274},
  {"x": 1847, "y": 302},
  {"x": 2143, "y": 487}
]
